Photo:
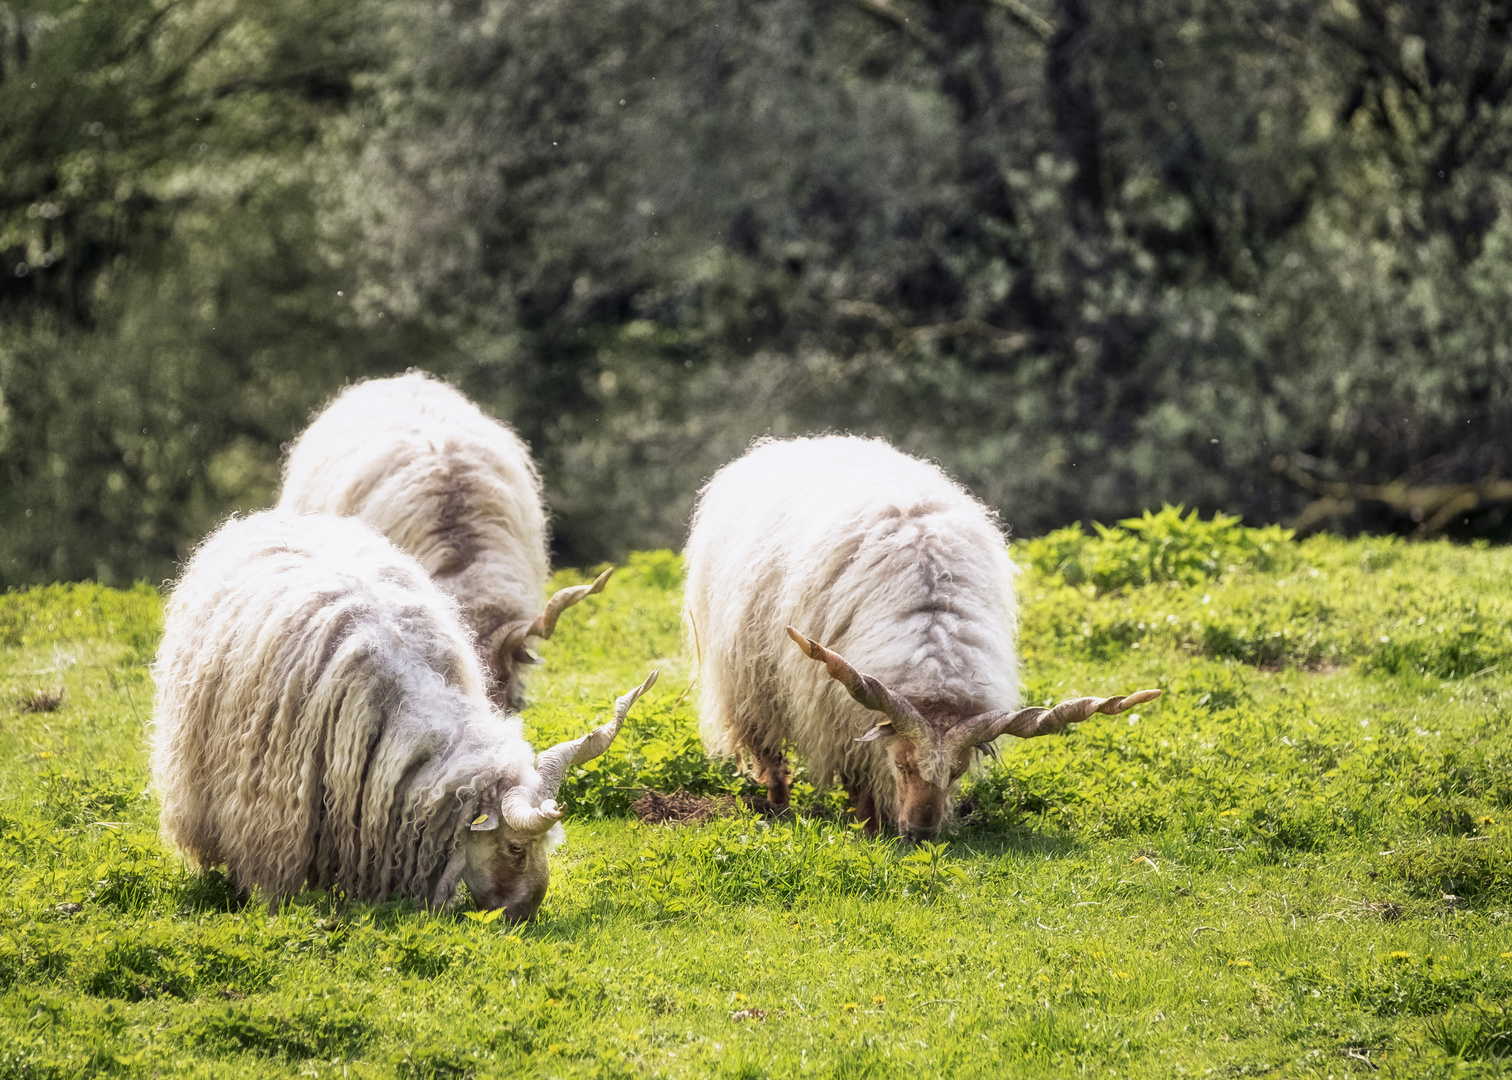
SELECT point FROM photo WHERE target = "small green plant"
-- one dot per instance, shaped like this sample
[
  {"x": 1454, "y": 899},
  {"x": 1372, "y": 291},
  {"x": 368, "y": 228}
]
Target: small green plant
[
  {"x": 1158, "y": 547},
  {"x": 1480, "y": 1030}
]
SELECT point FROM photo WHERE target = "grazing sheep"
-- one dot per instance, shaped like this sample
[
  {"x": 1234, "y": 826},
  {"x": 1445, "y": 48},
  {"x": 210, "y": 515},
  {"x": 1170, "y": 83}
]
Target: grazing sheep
[
  {"x": 456, "y": 489},
  {"x": 902, "y": 571},
  {"x": 320, "y": 720}
]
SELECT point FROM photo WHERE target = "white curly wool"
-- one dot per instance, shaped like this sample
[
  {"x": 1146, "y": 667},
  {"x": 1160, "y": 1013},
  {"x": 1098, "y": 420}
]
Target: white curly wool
[
  {"x": 321, "y": 718},
  {"x": 455, "y": 488},
  {"x": 875, "y": 554}
]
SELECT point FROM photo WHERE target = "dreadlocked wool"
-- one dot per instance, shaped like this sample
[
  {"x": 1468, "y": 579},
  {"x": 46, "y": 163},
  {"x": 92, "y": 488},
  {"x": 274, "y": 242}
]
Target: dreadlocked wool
[
  {"x": 455, "y": 488},
  {"x": 879, "y": 556},
  {"x": 320, "y": 715}
]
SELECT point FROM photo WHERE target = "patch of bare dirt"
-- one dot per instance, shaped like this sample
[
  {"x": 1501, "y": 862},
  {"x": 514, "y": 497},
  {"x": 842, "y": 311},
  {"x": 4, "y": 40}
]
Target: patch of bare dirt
[
  {"x": 685, "y": 808},
  {"x": 681, "y": 807}
]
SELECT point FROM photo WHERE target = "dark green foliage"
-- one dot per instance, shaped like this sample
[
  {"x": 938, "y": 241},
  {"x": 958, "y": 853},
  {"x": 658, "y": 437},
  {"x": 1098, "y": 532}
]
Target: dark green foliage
[
  {"x": 167, "y": 319},
  {"x": 1089, "y": 256}
]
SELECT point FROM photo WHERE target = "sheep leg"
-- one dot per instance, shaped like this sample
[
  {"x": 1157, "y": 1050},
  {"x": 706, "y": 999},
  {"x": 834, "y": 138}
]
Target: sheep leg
[
  {"x": 772, "y": 770},
  {"x": 864, "y": 803}
]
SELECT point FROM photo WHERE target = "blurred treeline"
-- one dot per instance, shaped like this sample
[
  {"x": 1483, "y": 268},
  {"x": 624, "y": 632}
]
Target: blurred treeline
[{"x": 1089, "y": 255}]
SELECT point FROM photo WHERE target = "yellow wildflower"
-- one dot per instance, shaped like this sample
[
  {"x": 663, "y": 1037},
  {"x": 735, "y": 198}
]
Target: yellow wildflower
[
  {"x": 878, "y": 999},
  {"x": 1400, "y": 955},
  {"x": 1240, "y": 963},
  {"x": 850, "y": 1006}
]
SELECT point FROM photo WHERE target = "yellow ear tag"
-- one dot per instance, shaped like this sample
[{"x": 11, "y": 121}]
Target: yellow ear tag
[{"x": 480, "y": 819}]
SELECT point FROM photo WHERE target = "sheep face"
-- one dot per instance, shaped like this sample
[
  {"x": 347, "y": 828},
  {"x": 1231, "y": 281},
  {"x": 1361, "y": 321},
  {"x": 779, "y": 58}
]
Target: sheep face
[
  {"x": 504, "y": 645},
  {"x": 932, "y": 743},
  {"x": 926, "y": 770},
  {"x": 509, "y": 869},
  {"x": 506, "y": 846},
  {"x": 506, "y": 666}
]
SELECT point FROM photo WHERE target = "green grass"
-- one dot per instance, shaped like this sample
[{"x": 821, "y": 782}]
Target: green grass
[{"x": 1296, "y": 863}]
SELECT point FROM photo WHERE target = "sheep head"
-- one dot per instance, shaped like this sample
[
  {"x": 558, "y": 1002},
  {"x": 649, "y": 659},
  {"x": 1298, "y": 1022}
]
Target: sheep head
[
  {"x": 506, "y": 652},
  {"x": 931, "y": 743},
  {"x": 507, "y": 845}
]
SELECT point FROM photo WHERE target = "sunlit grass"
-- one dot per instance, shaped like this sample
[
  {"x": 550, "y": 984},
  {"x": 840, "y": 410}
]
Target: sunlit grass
[{"x": 1296, "y": 863}]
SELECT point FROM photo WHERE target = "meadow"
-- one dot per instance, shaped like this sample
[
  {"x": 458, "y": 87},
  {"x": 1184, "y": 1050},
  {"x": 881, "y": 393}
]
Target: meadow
[{"x": 1298, "y": 862}]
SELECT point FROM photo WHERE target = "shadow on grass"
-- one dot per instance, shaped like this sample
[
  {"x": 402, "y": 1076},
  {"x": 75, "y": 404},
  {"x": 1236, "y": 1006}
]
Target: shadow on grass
[
  {"x": 209, "y": 892},
  {"x": 1015, "y": 842}
]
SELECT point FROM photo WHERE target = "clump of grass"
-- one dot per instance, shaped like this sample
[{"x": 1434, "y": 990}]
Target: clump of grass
[
  {"x": 1480, "y": 1030},
  {"x": 1430, "y": 609},
  {"x": 43, "y": 701},
  {"x": 315, "y": 1027}
]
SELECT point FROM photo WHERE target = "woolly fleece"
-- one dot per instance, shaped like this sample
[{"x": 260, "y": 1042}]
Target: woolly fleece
[
  {"x": 875, "y": 554},
  {"x": 320, "y": 715}
]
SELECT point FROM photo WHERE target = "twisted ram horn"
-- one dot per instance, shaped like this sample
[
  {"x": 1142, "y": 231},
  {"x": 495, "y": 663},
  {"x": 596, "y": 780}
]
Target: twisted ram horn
[
  {"x": 1027, "y": 723},
  {"x": 902, "y": 717},
  {"x": 512, "y": 635},
  {"x": 553, "y": 764},
  {"x": 515, "y": 809}
]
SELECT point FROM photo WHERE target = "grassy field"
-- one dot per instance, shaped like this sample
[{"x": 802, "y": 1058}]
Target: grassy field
[{"x": 1296, "y": 863}]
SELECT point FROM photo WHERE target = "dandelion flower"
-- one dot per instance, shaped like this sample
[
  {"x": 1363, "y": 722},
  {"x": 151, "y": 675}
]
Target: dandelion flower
[
  {"x": 1240, "y": 963},
  {"x": 878, "y": 999},
  {"x": 737, "y": 998},
  {"x": 1400, "y": 955},
  {"x": 1506, "y": 955},
  {"x": 555, "y": 1048},
  {"x": 850, "y": 1006}
]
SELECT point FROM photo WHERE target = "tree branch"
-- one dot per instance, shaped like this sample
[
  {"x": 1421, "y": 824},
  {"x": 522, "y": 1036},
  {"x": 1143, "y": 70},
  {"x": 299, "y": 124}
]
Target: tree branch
[
  {"x": 1001, "y": 341},
  {"x": 1026, "y": 17},
  {"x": 883, "y": 10},
  {"x": 1432, "y": 506}
]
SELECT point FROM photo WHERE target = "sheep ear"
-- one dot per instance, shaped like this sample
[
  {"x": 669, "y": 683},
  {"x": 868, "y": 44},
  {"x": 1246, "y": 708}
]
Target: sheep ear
[
  {"x": 878, "y": 731},
  {"x": 487, "y": 821}
]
